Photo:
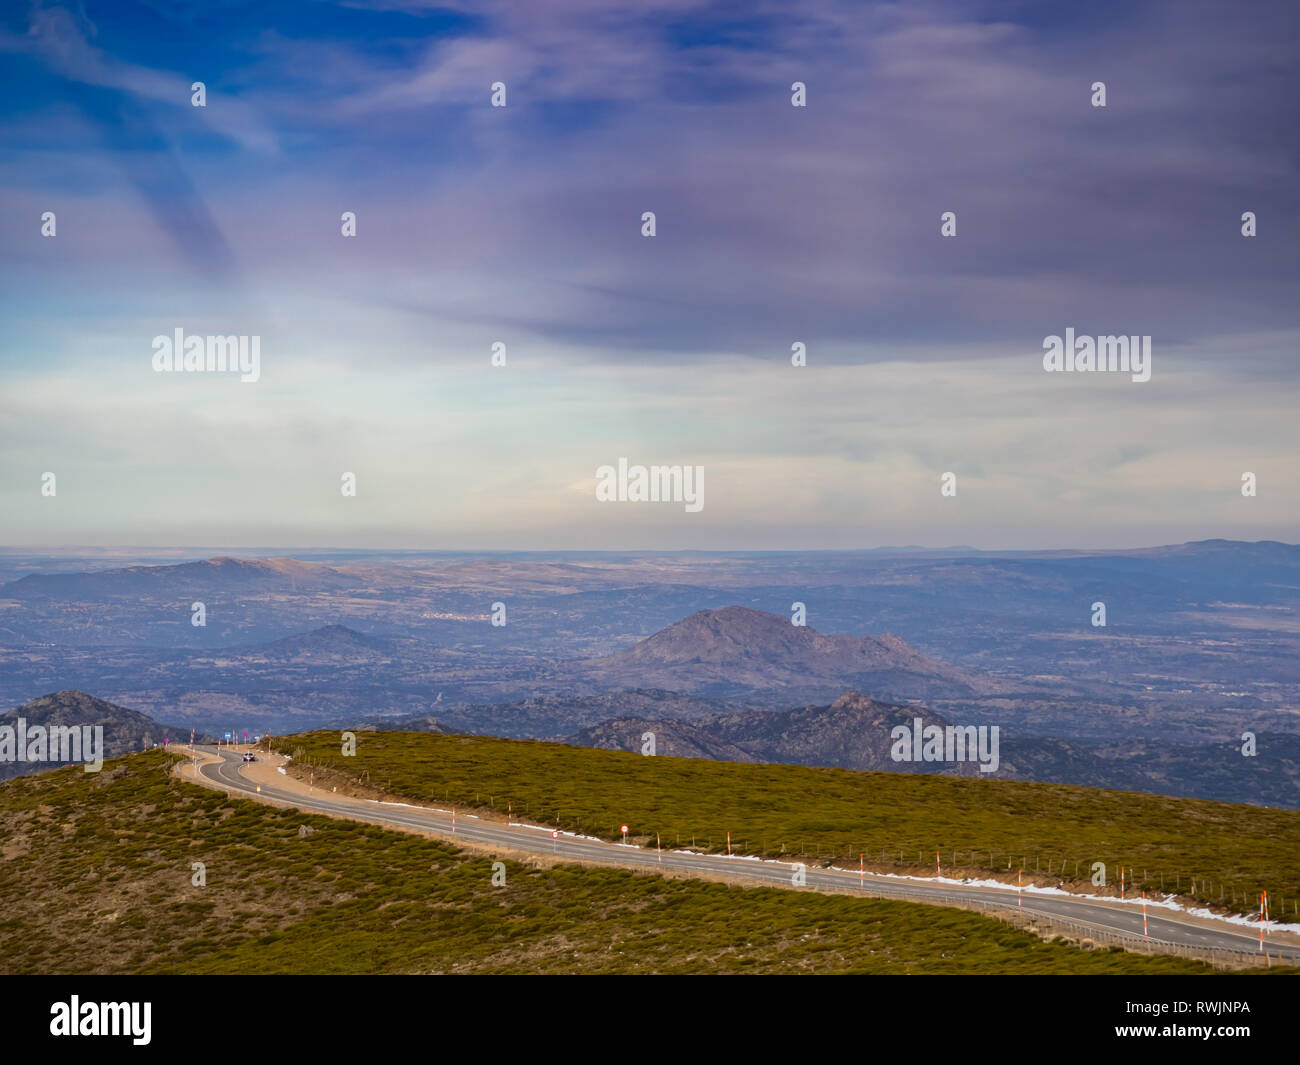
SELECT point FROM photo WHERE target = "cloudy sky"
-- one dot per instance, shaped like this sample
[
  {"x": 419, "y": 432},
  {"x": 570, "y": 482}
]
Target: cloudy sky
[{"x": 522, "y": 225}]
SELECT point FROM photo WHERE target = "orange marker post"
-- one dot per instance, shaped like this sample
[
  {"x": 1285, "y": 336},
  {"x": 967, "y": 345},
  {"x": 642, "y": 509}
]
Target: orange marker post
[
  {"x": 862, "y": 874},
  {"x": 1020, "y": 887},
  {"x": 1261, "y": 923},
  {"x": 937, "y": 870},
  {"x": 1144, "y": 916},
  {"x": 658, "y": 849}
]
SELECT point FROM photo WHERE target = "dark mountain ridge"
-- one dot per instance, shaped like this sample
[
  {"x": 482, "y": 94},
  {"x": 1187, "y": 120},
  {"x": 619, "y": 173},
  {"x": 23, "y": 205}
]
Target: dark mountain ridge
[
  {"x": 124, "y": 730},
  {"x": 854, "y": 732}
]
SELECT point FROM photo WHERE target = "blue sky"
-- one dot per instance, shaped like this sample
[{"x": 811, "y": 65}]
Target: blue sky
[{"x": 522, "y": 225}]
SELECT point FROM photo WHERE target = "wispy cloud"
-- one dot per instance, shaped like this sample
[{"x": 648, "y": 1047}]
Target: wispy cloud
[{"x": 775, "y": 224}]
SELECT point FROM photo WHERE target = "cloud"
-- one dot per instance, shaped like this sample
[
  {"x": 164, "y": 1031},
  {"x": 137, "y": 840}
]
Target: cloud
[
  {"x": 775, "y": 224},
  {"x": 62, "y": 41}
]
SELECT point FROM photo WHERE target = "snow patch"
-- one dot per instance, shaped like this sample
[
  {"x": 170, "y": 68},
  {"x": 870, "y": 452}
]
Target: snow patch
[
  {"x": 545, "y": 828},
  {"x": 1165, "y": 902}
]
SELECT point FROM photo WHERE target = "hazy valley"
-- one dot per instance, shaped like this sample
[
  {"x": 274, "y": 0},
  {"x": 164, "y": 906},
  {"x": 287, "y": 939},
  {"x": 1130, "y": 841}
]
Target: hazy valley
[{"x": 1202, "y": 642}]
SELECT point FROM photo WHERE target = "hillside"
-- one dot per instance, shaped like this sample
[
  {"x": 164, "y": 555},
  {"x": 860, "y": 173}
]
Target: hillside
[
  {"x": 286, "y": 892},
  {"x": 1220, "y": 853},
  {"x": 854, "y": 733},
  {"x": 124, "y": 730}
]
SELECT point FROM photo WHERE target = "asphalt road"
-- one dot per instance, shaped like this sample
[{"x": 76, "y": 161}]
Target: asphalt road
[{"x": 1113, "y": 918}]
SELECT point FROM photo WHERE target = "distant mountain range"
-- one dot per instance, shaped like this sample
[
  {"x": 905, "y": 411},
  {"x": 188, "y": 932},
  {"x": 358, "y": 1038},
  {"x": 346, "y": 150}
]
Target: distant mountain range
[
  {"x": 1202, "y": 642},
  {"x": 709, "y": 663},
  {"x": 555, "y": 717},
  {"x": 184, "y": 578},
  {"x": 854, "y": 732}
]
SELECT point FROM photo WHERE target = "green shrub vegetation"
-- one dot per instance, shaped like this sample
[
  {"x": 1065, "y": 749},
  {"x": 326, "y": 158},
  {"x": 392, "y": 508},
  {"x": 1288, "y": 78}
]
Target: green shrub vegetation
[
  {"x": 1231, "y": 851},
  {"x": 96, "y": 877}
]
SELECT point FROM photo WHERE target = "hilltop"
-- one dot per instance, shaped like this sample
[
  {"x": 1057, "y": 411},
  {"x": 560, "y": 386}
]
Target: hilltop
[
  {"x": 289, "y": 892},
  {"x": 738, "y": 649},
  {"x": 897, "y": 819}
]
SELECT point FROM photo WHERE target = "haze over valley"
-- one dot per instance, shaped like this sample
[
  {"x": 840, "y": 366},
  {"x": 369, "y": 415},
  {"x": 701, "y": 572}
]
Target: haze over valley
[{"x": 1202, "y": 643}]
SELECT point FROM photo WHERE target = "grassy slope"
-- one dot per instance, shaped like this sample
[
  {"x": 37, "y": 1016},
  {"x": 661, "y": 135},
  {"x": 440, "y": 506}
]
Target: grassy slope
[
  {"x": 96, "y": 877},
  {"x": 837, "y": 812}
]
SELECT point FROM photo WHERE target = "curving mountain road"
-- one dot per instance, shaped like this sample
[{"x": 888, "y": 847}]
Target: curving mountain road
[{"x": 1088, "y": 915}]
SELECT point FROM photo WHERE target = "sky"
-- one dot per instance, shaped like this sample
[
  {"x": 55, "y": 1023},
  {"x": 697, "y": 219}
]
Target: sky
[{"x": 774, "y": 225}]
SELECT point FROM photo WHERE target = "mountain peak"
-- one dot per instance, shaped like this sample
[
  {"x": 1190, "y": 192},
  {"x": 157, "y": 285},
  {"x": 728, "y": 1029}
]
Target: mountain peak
[
  {"x": 332, "y": 641},
  {"x": 738, "y": 647}
]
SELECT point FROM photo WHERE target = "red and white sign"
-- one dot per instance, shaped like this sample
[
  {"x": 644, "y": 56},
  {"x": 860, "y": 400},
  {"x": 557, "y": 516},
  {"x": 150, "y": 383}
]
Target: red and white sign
[
  {"x": 555, "y": 833},
  {"x": 623, "y": 829}
]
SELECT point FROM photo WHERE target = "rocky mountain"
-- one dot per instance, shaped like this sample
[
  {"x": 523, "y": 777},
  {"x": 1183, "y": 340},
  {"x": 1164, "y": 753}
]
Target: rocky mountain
[
  {"x": 124, "y": 730},
  {"x": 553, "y": 717},
  {"x": 740, "y": 650},
  {"x": 852, "y": 733}
]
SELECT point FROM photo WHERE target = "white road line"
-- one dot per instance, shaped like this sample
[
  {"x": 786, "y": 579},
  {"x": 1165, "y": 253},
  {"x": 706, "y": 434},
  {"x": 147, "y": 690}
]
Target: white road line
[{"x": 229, "y": 771}]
